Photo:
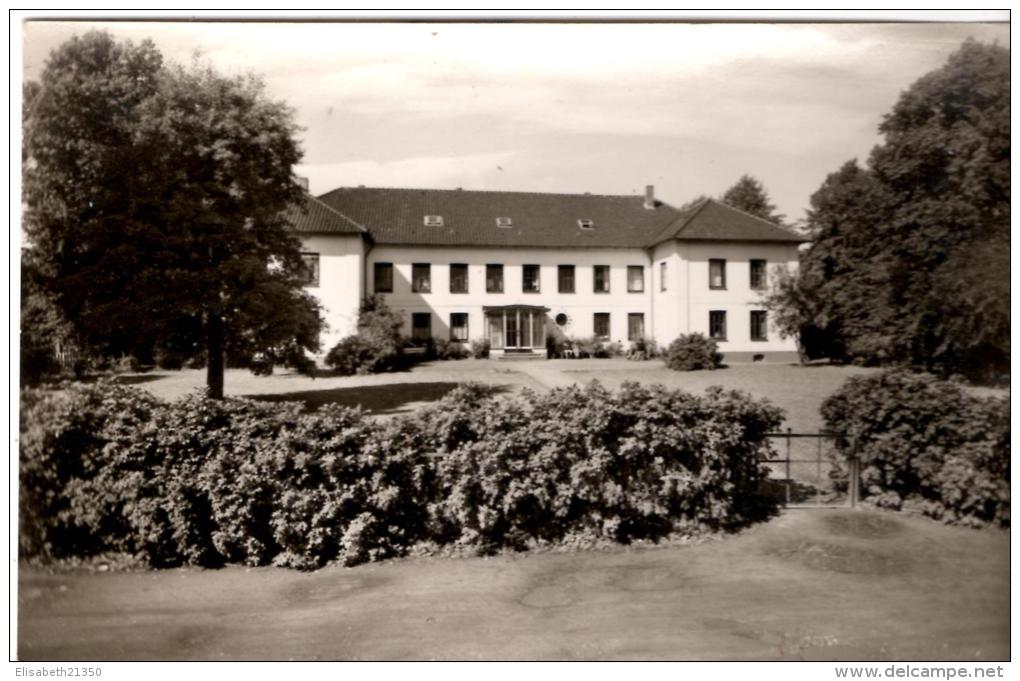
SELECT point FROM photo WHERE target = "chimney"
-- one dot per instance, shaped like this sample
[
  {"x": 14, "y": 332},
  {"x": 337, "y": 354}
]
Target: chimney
[
  {"x": 303, "y": 181},
  {"x": 649, "y": 196}
]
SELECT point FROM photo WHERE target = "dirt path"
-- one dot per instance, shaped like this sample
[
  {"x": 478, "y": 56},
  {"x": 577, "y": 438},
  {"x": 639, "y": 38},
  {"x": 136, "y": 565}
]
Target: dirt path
[{"x": 823, "y": 585}]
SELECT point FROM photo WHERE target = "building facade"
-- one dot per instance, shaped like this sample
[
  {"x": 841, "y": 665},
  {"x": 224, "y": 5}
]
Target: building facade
[{"x": 516, "y": 268}]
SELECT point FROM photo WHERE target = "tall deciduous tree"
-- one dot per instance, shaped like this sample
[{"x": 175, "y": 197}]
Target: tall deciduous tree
[
  {"x": 155, "y": 202},
  {"x": 749, "y": 195},
  {"x": 946, "y": 160},
  {"x": 910, "y": 257}
]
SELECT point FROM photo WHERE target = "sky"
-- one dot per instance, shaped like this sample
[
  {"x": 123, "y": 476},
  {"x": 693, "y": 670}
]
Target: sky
[{"x": 601, "y": 108}]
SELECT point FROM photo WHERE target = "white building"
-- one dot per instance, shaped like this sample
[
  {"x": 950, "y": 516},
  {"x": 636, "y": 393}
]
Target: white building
[{"x": 517, "y": 267}]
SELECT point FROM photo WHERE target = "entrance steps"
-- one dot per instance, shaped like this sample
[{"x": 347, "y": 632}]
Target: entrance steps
[{"x": 521, "y": 356}]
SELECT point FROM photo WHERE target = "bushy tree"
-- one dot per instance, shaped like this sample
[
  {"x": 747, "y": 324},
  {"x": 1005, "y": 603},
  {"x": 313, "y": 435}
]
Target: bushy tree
[
  {"x": 749, "y": 195},
  {"x": 946, "y": 161},
  {"x": 910, "y": 256},
  {"x": 155, "y": 197}
]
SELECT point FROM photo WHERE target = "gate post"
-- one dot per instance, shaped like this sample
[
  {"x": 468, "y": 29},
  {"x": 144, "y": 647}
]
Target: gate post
[
  {"x": 854, "y": 489},
  {"x": 788, "y": 482}
]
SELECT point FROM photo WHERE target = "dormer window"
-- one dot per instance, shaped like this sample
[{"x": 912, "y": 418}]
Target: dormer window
[
  {"x": 433, "y": 220},
  {"x": 586, "y": 224},
  {"x": 504, "y": 223}
]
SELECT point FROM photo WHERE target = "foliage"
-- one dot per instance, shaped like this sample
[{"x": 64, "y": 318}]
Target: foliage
[
  {"x": 376, "y": 347},
  {"x": 45, "y": 334},
  {"x": 910, "y": 256},
  {"x": 262, "y": 364},
  {"x": 749, "y": 195},
  {"x": 798, "y": 310},
  {"x": 642, "y": 349},
  {"x": 446, "y": 349},
  {"x": 480, "y": 348},
  {"x": 155, "y": 199},
  {"x": 293, "y": 356},
  {"x": 352, "y": 355},
  {"x": 595, "y": 346},
  {"x": 920, "y": 438},
  {"x": 106, "y": 468},
  {"x": 691, "y": 352}
]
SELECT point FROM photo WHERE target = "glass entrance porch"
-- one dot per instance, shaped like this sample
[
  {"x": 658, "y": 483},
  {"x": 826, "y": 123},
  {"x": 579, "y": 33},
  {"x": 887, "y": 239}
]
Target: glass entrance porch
[{"x": 515, "y": 327}]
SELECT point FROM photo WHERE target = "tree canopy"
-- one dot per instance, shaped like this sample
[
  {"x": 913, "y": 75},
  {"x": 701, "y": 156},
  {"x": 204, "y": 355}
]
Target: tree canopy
[
  {"x": 155, "y": 197},
  {"x": 910, "y": 256},
  {"x": 749, "y": 195}
]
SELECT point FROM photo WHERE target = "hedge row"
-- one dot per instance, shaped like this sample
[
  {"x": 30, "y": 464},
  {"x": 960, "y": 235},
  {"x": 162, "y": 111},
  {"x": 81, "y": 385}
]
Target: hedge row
[
  {"x": 111, "y": 469},
  {"x": 928, "y": 441}
]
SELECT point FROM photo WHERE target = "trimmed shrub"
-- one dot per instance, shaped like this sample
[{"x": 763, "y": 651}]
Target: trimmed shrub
[
  {"x": 635, "y": 464},
  {"x": 924, "y": 440},
  {"x": 691, "y": 352},
  {"x": 107, "y": 469},
  {"x": 80, "y": 453}
]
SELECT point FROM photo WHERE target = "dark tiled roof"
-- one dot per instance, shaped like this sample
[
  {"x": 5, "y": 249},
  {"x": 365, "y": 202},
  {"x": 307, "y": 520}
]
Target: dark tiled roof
[
  {"x": 396, "y": 216},
  {"x": 317, "y": 217},
  {"x": 711, "y": 220}
]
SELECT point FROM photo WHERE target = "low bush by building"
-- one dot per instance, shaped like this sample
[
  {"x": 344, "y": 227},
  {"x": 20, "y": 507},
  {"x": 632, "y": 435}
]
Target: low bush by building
[
  {"x": 108, "y": 468},
  {"x": 376, "y": 347},
  {"x": 446, "y": 349},
  {"x": 643, "y": 349},
  {"x": 691, "y": 352},
  {"x": 926, "y": 441},
  {"x": 480, "y": 348}
]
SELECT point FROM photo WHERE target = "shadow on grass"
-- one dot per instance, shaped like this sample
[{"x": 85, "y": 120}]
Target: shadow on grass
[
  {"x": 136, "y": 379},
  {"x": 393, "y": 398}
]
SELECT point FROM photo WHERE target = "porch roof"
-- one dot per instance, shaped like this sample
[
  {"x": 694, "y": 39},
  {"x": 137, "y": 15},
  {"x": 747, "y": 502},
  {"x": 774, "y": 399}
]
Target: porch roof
[{"x": 500, "y": 308}]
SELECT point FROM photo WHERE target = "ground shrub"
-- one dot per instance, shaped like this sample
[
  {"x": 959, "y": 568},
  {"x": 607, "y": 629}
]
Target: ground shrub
[
  {"x": 377, "y": 345},
  {"x": 691, "y": 352},
  {"x": 925, "y": 440},
  {"x": 109, "y": 469},
  {"x": 643, "y": 349},
  {"x": 480, "y": 348},
  {"x": 352, "y": 355},
  {"x": 293, "y": 356},
  {"x": 446, "y": 349}
]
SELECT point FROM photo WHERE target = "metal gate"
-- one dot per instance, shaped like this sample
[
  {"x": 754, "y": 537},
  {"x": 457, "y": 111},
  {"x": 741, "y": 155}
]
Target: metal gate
[{"x": 803, "y": 471}]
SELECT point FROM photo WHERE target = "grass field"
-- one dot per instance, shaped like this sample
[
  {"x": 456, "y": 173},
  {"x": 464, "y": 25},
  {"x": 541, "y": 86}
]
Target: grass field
[
  {"x": 798, "y": 390},
  {"x": 809, "y": 585}
]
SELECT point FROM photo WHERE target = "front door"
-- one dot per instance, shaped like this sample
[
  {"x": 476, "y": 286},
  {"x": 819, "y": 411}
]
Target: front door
[
  {"x": 513, "y": 335},
  {"x": 516, "y": 328}
]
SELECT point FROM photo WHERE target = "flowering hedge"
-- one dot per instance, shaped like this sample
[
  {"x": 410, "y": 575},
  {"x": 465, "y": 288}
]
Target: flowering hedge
[
  {"x": 110, "y": 469},
  {"x": 926, "y": 440}
]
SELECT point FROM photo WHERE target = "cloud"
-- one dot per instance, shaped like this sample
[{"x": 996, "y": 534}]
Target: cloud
[
  {"x": 435, "y": 172},
  {"x": 562, "y": 106}
]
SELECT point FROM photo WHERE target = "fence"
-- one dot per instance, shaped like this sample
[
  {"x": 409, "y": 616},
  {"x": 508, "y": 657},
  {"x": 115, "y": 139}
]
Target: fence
[{"x": 801, "y": 470}]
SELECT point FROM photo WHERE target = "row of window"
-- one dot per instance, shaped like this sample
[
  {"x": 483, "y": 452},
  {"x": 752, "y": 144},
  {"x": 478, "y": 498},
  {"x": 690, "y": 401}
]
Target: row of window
[
  {"x": 421, "y": 325},
  {"x": 531, "y": 278},
  {"x": 421, "y": 276},
  {"x": 717, "y": 274},
  {"x": 759, "y": 325}
]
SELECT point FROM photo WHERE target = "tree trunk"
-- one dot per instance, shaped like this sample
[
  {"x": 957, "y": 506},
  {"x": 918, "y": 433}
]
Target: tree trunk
[{"x": 214, "y": 350}]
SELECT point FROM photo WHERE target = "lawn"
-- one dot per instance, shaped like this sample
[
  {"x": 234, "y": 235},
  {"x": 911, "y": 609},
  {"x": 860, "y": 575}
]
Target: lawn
[
  {"x": 814, "y": 585},
  {"x": 798, "y": 390}
]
